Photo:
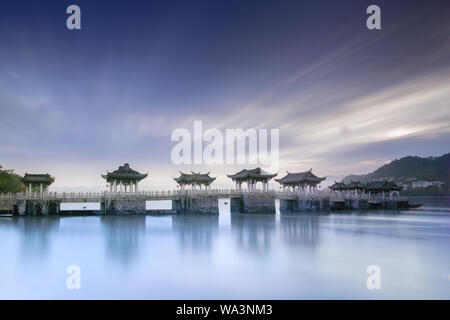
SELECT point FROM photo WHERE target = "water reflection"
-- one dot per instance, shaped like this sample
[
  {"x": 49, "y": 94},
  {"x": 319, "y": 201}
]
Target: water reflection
[
  {"x": 300, "y": 230},
  {"x": 35, "y": 235},
  {"x": 253, "y": 232},
  {"x": 195, "y": 231},
  {"x": 122, "y": 235}
]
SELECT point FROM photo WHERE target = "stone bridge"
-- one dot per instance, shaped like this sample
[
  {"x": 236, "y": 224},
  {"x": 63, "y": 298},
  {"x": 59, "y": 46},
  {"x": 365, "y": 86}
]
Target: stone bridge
[{"x": 194, "y": 201}]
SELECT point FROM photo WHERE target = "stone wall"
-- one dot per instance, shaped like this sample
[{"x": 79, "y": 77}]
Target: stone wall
[
  {"x": 258, "y": 203},
  {"x": 206, "y": 205},
  {"x": 123, "y": 207}
]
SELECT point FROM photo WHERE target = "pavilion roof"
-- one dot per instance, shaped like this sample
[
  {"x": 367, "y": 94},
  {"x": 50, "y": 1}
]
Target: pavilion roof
[
  {"x": 256, "y": 173},
  {"x": 125, "y": 173},
  {"x": 355, "y": 185},
  {"x": 382, "y": 186},
  {"x": 37, "y": 178},
  {"x": 338, "y": 186},
  {"x": 194, "y": 177},
  {"x": 300, "y": 177}
]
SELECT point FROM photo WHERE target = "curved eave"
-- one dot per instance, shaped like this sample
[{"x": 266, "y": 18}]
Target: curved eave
[
  {"x": 258, "y": 176},
  {"x": 26, "y": 181},
  {"x": 119, "y": 176}
]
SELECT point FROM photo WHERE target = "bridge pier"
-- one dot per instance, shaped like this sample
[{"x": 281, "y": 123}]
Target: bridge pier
[{"x": 258, "y": 203}]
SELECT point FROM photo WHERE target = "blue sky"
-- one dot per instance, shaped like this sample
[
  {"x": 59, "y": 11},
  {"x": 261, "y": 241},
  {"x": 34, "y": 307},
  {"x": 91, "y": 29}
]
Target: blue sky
[{"x": 346, "y": 99}]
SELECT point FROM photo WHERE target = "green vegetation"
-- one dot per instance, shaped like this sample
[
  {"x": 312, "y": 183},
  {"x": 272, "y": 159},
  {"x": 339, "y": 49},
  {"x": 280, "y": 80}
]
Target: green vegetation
[{"x": 9, "y": 181}]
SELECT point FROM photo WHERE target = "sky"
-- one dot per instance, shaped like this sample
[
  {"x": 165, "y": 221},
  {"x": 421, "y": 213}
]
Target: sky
[{"x": 346, "y": 99}]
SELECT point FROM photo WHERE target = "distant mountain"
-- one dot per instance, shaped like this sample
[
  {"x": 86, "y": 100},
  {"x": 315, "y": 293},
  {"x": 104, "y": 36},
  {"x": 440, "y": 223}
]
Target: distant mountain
[{"x": 427, "y": 169}]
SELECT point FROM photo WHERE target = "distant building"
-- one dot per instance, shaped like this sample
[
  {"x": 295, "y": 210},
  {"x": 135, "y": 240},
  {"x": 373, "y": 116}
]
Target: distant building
[{"x": 425, "y": 184}]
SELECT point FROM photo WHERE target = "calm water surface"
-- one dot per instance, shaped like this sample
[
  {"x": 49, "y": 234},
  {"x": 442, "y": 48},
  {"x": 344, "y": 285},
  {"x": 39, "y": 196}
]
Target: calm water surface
[{"x": 230, "y": 257}]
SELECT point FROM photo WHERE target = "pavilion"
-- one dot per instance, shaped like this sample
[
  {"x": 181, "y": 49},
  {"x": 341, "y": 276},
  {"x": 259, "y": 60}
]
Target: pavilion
[
  {"x": 356, "y": 186},
  {"x": 124, "y": 179},
  {"x": 194, "y": 179},
  {"x": 300, "y": 180},
  {"x": 251, "y": 177},
  {"x": 338, "y": 186},
  {"x": 376, "y": 187},
  {"x": 35, "y": 181}
]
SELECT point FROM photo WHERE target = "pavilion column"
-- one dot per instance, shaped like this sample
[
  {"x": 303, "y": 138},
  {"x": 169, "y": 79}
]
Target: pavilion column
[
  {"x": 40, "y": 189},
  {"x": 115, "y": 186},
  {"x": 110, "y": 186},
  {"x": 120, "y": 186},
  {"x": 29, "y": 188},
  {"x": 136, "y": 187}
]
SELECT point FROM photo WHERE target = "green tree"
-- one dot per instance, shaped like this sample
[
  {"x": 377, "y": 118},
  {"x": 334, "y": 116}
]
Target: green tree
[{"x": 9, "y": 181}]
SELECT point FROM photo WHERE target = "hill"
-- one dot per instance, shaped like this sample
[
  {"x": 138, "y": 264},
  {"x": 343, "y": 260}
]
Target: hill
[{"x": 411, "y": 168}]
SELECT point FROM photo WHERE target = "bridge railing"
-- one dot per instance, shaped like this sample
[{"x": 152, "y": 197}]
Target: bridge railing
[
  {"x": 196, "y": 192},
  {"x": 128, "y": 194}
]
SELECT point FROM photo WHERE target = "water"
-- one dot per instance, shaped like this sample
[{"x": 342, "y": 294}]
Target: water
[{"x": 229, "y": 257}]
